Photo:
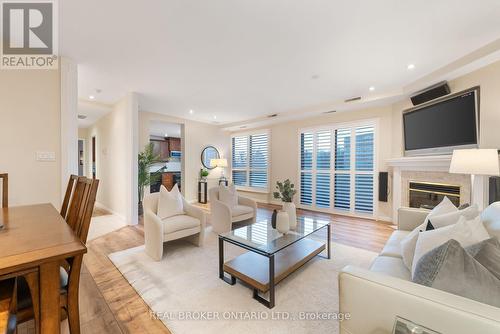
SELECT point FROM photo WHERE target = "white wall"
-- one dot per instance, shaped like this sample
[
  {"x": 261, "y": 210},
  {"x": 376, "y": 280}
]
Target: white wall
[
  {"x": 284, "y": 148},
  {"x": 30, "y": 121},
  {"x": 195, "y": 137},
  {"x": 284, "y": 143},
  {"x": 116, "y": 163}
]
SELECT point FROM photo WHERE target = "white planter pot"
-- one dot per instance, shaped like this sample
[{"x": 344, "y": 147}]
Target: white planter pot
[
  {"x": 289, "y": 207},
  {"x": 282, "y": 222}
]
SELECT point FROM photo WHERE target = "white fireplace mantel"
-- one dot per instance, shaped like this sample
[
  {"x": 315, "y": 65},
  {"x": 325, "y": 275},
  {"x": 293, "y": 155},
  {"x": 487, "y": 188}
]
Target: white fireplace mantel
[
  {"x": 423, "y": 163},
  {"x": 436, "y": 163}
]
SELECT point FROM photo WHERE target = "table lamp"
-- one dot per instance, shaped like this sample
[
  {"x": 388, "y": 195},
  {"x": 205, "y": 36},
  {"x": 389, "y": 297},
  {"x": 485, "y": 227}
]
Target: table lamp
[
  {"x": 219, "y": 163},
  {"x": 475, "y": 162}
]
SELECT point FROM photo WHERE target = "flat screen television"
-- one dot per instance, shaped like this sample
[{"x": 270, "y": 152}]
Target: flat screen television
[{"x": 439, "y": 127}]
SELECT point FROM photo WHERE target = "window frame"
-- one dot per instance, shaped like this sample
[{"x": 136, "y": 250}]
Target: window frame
[
  {"x": 352, "y": 171},
  {"x": 247, "y": 169}
]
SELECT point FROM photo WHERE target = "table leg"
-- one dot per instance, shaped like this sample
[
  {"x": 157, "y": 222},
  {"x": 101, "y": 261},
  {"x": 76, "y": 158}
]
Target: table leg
[
  {"x": 222, "y": 276},
  {"x": 50, "y": 321},
  {"x": 271, "y": 281},
  {"x": 272, "y": 286},
  {"x": 329, "y": 231}
]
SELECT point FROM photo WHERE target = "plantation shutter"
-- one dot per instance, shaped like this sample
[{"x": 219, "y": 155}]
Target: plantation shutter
[
  {"x": 364, "y": 169},
  {"x": 342, "y": 193},
  {"x": 306, "y": 165},
  {"x": 250, "y": 160},
  {"x": 258, "y": 160},
  {"x": 323, "y": 157},
  {"x": 239, "y": 160}
]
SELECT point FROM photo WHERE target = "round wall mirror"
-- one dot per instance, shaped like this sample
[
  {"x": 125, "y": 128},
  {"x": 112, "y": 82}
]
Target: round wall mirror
[{"x": 208, "y": 154}]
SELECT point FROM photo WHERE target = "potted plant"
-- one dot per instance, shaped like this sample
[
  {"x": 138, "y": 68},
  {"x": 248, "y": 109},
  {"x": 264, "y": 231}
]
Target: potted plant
[
  {"x": 146, "y": 160},
  {"x": 203, "y": 174},
  {"x": 285, "y": 192}
]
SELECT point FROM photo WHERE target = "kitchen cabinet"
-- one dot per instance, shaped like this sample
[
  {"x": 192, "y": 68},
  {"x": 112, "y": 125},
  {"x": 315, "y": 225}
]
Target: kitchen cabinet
[{"x": 163, "y": 148}]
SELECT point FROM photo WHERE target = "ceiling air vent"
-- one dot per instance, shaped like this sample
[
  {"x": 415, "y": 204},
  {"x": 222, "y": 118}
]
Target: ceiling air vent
[
  {"x": 352, "y": 99},
  {"x": 273, "y": 115},
  {"x": 81, "y": 116},
  {"x": 330, "y": 112},
  {"x": 243, "y": 127}
]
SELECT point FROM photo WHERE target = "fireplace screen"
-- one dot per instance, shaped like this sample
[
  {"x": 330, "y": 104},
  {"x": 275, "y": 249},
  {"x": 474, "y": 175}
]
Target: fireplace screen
[{"x": 428, "y": 195}]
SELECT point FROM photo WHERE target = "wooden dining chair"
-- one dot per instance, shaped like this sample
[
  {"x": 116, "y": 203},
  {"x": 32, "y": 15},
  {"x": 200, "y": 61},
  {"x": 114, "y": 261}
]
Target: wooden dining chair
[
  {"x": 79, "y": 216},
  {"x": 8, "y": 307},
  {"x": 69, "y": 193},
  {"x": 5, "y": 189}
]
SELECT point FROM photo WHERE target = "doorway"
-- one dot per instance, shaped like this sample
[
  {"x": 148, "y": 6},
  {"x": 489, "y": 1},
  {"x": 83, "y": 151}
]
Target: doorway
[
  {"x": 94, "y": 167},
  {"x": 165, "y": 139},
  {"x": 81, "y": 157}
]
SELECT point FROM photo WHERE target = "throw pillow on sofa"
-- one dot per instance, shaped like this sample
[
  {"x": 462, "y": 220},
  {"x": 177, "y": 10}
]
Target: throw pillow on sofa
[
  {"x": 450, "y": 268},
  {"x": 228, "y": 195},
  {"x": 466, "y": 232},
  {"x": 487, "y": 253},
  {"x": 450, "y": 218},
  {"x": 410, "y": 241},
  {"x": 170, "y": 202}
]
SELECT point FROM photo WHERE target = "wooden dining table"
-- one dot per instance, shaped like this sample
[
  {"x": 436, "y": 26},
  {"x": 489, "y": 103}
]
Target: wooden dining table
[{"x": 37, "y": 237}]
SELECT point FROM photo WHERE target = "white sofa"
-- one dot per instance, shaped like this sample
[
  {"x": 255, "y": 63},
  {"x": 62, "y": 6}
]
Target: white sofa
[
  {"x": 223, "y": 216},
  {"x": 374, "y": 297},
  {"x": 157, "y": 231}
]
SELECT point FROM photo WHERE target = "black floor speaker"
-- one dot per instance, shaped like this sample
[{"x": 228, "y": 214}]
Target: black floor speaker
[
  {"x": 494, "y": 189},
  {"x": 383, "y": 191}
]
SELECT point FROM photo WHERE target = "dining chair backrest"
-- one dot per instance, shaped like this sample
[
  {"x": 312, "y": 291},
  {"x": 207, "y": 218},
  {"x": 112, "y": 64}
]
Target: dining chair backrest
[
  {"x": 67, "y": 197},
  {"x": 5, "y": 189},
  {"x": 82, "y": 225}
]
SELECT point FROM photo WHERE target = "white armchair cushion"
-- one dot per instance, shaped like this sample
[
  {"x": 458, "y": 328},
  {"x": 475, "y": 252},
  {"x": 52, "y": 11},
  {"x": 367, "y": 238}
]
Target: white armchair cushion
[
  {"x": 239, "y": 210},
  {"x": 170, "y": 203},
  {"x": 228, "y": 195},
  {"x": 178, "y": 223}
]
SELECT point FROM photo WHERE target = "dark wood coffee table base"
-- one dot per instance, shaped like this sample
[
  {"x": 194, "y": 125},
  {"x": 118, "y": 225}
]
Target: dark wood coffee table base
[{"x": 256, "y": 270}]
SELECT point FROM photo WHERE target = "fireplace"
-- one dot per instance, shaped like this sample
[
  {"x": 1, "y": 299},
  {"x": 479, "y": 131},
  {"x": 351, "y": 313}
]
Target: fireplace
[{"x": 427, "y": 195}]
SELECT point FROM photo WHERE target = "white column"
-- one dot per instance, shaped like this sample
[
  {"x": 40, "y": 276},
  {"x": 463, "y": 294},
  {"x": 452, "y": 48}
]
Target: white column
[
  {"x": 69, "y": 121},
  {"x": 396, "y": 193},
  {"x": 479, "y": 194},
  {"x": 132, "y": 111}
]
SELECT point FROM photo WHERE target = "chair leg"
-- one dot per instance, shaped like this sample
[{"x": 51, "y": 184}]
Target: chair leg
[
  {"x": 73, "y": 316},
  {"x": 196, "y": 240},
  {"x": 33, "y": 284}
]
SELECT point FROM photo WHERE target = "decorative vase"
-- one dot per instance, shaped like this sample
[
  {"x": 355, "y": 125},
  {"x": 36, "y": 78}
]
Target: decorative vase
[
  {"x": 282, "y": 222},
  {"x": 289, "y": 207},
  {"x": 273, "y": 219}
]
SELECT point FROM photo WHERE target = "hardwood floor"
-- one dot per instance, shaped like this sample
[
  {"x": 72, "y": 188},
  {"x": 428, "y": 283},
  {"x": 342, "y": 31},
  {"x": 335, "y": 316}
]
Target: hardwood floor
[{"x": 108, "y": 304}]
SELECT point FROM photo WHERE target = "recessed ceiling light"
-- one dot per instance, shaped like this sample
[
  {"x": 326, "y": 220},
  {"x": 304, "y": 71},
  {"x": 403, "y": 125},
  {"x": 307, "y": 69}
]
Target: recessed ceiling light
[
  {"x": 371, "y": 89},
  {"x": 92, "y": 97},
  {"x": 411, "y": 66},
  {"x": 166, "y": 134},
  {"x": 191, "y": 111},
  {"x": 215, "y": 117}
]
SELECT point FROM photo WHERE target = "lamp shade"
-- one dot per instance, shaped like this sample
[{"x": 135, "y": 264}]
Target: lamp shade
[
  {"x": 218, "y": 163},
  {"x": 475, "y": 162}
]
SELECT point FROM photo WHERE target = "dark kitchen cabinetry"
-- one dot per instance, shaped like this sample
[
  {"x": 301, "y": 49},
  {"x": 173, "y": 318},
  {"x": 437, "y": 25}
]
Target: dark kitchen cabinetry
[{"x": 163, "y": 148}]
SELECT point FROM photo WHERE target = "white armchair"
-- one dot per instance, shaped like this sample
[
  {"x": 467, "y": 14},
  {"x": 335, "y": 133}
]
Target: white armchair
[
  {"x": 223, "y": 216},
  {"x": 157, "y": 231}
]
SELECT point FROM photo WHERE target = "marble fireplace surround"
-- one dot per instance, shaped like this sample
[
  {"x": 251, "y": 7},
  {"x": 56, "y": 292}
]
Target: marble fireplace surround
[{"x": 431, "y": 169}]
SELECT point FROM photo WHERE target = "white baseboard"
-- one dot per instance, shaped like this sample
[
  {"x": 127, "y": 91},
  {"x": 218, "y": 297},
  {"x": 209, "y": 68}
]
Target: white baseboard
[{"x": 102, "y": 206}]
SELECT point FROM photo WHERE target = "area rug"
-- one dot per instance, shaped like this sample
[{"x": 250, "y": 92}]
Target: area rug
[{"x": 185, "y": 293}]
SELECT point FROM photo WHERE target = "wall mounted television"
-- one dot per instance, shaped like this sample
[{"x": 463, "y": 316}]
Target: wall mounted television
[{"x": 442, "y": 125}]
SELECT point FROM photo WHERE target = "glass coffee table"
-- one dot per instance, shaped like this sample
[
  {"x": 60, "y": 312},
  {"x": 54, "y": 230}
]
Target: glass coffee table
[{"x": 271, "y": 256}]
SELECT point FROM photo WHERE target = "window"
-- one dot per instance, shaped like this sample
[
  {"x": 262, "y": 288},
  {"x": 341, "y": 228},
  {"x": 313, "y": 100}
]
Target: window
[
  {"x": 250, "y": 160},
  {"x": 337, "y": 168}
]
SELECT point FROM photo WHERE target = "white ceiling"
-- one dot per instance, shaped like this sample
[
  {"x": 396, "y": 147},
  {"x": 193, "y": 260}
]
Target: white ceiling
[
  {"x": 162, "y": 129},
  {"x": 240, "y": 60},
  {"x": 92, "y": 111}
]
